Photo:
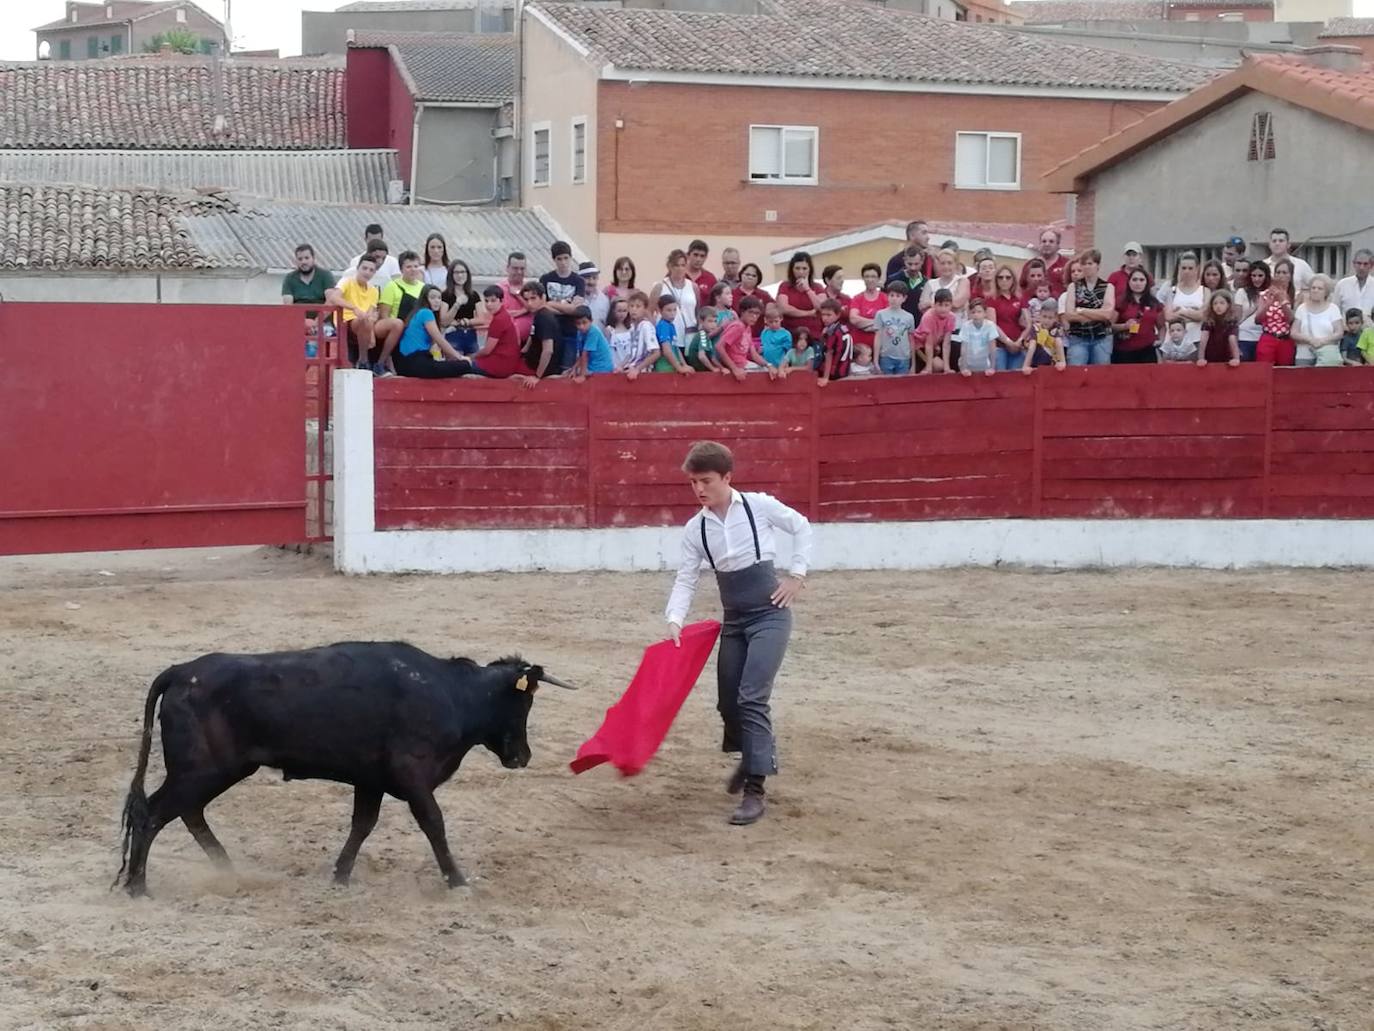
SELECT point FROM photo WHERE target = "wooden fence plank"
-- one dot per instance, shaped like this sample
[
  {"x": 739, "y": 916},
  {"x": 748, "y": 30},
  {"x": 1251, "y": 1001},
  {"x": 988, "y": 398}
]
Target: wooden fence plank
[{"x": 1174, "y": 422}]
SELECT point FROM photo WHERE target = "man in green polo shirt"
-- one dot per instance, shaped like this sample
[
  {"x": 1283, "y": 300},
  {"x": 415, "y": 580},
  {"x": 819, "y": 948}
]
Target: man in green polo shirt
[{"x": 306, "y": 285}]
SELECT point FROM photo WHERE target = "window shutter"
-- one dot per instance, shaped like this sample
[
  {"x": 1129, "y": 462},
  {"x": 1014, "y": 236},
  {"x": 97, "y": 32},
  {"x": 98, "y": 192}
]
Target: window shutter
[
  {"x": 1002, "y": 159},
  {"x": 799, "y": 155},
  {"x": 764, "y": 153},
  {"x": 970, "y": 159}
]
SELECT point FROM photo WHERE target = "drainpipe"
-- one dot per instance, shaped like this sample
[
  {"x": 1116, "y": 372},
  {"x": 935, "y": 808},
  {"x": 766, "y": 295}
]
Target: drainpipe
[
  {"x": 415, "y": 150},
  {"x": 518, "y": 109}
]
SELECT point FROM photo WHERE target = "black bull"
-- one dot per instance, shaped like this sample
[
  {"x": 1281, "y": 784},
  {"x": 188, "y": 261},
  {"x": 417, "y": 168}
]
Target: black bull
[{"x": 386, "y": 718}]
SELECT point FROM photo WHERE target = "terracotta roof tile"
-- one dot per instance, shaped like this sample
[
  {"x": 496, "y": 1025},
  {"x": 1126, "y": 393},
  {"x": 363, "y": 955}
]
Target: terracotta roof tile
[
  {"x": 1339, "y": 28},
  {"x": 836, "y": 40},
  {"x": 385, "y": 6},
  {"x": 60, "y": 226},
  {"x": 171, "y": 103},
  {"x": 1049, "y": 12},
  {"x": 452, "y": 66}
]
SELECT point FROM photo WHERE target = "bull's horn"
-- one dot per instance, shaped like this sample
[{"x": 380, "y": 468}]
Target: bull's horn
[{"x": 547, "y": 679}]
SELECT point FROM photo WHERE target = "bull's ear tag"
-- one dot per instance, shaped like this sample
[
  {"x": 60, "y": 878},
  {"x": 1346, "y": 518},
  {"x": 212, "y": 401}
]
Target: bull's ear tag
[{"x": 523, "y": 684}]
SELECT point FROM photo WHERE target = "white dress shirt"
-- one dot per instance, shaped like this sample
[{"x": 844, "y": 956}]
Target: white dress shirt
[
  {"x": 388, "y": 270},
  {"x": 1302, "y": 272},
  {"x": 1350, "y": 294},
  {"x": 732, "y": 544}
]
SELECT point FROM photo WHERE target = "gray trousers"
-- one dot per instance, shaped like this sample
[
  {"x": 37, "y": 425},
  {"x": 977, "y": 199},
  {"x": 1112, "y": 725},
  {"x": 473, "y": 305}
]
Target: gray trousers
[{"x": 753, "y": 641}]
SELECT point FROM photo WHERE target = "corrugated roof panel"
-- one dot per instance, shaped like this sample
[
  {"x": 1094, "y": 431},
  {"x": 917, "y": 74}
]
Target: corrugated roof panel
[
  {"x": 327, "y": 176},
  {"x": 268, "y": 233}
]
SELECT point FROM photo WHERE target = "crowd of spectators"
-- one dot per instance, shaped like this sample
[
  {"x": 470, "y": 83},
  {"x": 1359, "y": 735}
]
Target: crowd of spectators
[{"x": 420, "y": 314}]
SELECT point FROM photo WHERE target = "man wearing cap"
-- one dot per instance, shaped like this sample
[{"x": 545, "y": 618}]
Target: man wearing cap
[
  {"x": 1233, "y": 248},
  {"x": 595, "y": 298},
  {"x": 1131, "y": 259}
]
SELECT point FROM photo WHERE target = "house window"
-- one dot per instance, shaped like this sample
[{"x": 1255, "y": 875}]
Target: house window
[
  {"x": 987, "y": 160},
  {"x": 116, "y": 44},
  {"x": 579, "y": 150},
  {"x": 64, "y": 50},
  {"x": 783, "y": 154},
  {"x": 1261, "y": 137},
  {"x": 92, "y": 46},
  {"x": 181, "y": 15},
  {"x": 539, "y": 155},
  {"x": 207, "y": 46}
]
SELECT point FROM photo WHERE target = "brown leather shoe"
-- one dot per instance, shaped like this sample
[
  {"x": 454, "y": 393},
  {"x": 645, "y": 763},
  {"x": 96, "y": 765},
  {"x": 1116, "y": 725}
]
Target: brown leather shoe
[
  {"x": 735, "y": 784},
  {"x": 751, "y": 806}
]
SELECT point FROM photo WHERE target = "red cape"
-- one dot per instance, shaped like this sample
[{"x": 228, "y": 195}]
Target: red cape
[{"x": 636, "y": 725}]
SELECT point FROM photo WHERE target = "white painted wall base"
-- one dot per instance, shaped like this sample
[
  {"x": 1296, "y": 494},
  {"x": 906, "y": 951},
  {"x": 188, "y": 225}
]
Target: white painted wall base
[
  {"x": 1051, "y": 543},
  {"x": 1054, "y": 543}
]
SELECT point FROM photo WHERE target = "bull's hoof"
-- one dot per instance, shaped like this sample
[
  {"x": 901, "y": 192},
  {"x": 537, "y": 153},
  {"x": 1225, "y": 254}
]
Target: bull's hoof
[
  {"x": 341, "y": 879},
  {"x": 457, "y": 880},
  {"x": 137, "y": 890}
]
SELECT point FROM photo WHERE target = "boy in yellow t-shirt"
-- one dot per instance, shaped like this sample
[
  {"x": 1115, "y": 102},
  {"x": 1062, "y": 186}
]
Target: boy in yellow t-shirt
[
  {"x": 358, "y": 298},
  {"x": 1046, "y": 343}
]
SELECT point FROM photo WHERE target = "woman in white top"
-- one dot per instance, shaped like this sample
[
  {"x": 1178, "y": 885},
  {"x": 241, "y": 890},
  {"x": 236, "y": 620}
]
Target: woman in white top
[
  {"x": 436, "y": 262},
  {"x": 1248, "y": 293},
  {"x": 681, "y": 289},
  {"x": 1188, "y": 301},
  {"x": 948, "y": 278},
  {"x": 1318, "y": 325}
]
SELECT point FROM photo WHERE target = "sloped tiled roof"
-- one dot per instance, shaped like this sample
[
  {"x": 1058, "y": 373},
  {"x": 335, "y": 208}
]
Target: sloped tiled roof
[
  {"x": 1052, "y": 12},
  {"x": 1338, "y": 28},
  {"x": 163, "y": 102},
  {"x": 451, "y": 66},
  {"x": 60, "y": 226},
  {"x": 64, "y": 227},
  {"x": 1344, "y": 95},
  {"x": 383, "y": 6},
  {"x": 834, "y": 40},
  {"x": 325, "y": 176},
  {"x": 122, "y": 11}
]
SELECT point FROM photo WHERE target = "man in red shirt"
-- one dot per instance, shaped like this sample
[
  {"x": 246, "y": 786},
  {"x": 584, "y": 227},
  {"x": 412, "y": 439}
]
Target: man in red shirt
[
  {"x": 1056, "y": 264},
  {"x": 499, "y": 357},
  {"x": 701, "y": 277},
  {"x": 1131, "y": 259}
]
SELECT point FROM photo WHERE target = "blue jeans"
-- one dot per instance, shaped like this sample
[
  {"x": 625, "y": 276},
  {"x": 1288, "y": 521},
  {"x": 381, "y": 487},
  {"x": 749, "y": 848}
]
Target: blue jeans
[
  {"x": 569, "y": 352},
  {"x": 1089, "y": 350},
  {"x": 894, "y": 366},
  {"x": 1008, "y": 362},
  {"x": 464, "y": 341},
  {"x": 1247, "y": 350}
]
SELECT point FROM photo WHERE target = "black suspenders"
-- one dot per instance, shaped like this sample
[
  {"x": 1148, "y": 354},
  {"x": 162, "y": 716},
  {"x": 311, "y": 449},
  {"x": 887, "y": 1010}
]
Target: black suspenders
[{"x": 753, "y": 528}]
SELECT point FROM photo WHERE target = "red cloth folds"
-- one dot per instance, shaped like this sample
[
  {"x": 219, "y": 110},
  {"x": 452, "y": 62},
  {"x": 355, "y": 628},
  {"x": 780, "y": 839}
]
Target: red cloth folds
[{"x": 636, "y": 725}]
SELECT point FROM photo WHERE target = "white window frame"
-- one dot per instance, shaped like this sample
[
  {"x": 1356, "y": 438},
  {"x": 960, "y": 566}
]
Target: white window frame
[
  {"x": 580, "y": 120},
  {"x": 989, "y": 137},
  {"x": 782, "y": 179},
  {"x": 181, "y": 16},
  {"x": 535, "y": 129}
]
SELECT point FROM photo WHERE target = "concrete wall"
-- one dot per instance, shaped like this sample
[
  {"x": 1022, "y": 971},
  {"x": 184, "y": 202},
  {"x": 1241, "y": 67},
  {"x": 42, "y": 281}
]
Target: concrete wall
[
  {"x": 133, "y": 36},
  {"x": 326, "y": 32},
  {"x": 141, "y": 288},
  {"x": 456, "y": 157},
  {"x": 560, "y": 85},
  {"x": 1312, "y": 10},
  {"x": 1155, "y": 198}
]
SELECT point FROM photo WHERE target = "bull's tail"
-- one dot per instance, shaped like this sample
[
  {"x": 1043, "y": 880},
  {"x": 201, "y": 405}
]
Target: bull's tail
[{"x": 135, "y": 814}]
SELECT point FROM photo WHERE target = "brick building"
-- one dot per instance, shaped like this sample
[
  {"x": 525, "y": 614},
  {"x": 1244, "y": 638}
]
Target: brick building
[
  {"x": 1351, "y": 32},
  {"x": 116, "y": 27},
  {"x": 643, "y": 128}
]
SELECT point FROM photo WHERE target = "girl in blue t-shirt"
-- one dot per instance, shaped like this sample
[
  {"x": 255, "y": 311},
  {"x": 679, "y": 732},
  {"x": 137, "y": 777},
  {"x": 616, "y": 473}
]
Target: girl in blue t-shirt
[{"x": 422, "y": 349}]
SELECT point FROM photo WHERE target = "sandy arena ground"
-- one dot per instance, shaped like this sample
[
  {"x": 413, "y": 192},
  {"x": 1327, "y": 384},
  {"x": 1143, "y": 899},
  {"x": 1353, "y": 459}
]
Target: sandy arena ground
[{"x": 1010, "y": 800}]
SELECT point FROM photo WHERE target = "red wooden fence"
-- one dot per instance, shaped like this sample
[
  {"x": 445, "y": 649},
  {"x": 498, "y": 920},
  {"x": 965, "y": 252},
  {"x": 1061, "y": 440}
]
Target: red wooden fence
[
  {"x": 1141, "y": 441},
  {"x": 149, "y": 426}
]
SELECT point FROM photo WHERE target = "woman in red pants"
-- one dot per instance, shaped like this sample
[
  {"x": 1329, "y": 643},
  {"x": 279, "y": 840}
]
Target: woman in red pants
[{"x": 1275, "y": 316}]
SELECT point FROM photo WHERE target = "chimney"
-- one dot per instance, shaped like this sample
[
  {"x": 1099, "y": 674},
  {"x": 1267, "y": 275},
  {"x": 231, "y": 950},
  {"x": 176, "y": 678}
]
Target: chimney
[
  {"x": 1335, "y": 57},
  {"x": 165, "y": 50}
]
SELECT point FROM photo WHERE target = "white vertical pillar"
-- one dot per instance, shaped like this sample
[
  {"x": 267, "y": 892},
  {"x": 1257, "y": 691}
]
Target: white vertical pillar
[{"x": 355, "y": 514}]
